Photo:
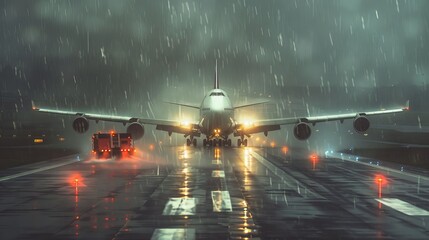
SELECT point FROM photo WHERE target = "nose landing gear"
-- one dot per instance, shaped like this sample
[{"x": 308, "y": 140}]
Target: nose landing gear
[{"x": 217, "y": 142}]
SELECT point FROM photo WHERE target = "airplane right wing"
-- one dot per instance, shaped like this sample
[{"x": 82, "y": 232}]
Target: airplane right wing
[{"x": 302, "y": 129}]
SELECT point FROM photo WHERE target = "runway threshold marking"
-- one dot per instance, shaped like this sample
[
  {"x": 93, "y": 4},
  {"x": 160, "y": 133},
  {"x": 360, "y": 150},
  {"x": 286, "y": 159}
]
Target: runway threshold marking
[
  {"x": 180, "y": 206},
  {"x": 38, "y": 170},
  {"x": 403, "y": 206},
  {"x": 218, "y": 173},
  {"x": 221, "y": 201},
  {"x": 173, "y": 233}
]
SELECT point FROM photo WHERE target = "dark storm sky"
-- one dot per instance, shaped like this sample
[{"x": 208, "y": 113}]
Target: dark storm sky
[{"x": 116, "y": 56}]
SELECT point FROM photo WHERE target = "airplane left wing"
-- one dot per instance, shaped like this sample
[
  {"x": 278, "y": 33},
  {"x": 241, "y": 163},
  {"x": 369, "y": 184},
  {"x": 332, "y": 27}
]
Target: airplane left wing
[
  {"x": 274, "y": 124},
  {"x": 161, "y": 124},
  {"x": 89, "y": 116}
]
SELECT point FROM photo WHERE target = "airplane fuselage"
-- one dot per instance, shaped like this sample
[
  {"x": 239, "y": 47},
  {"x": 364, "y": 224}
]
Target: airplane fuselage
[{"x": 216, "y": 114}]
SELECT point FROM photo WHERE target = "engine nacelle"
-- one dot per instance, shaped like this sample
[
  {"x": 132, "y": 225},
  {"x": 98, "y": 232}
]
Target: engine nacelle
[
  {"x": 302, "y": 131},
  {"x": 361, "y": 124},
  {"x": 136, "y": 130},
  {"x": 80, "y": 125}
]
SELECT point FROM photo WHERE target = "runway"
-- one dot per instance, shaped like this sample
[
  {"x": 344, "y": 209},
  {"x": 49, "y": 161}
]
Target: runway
[{"x": 215, "y": 193}]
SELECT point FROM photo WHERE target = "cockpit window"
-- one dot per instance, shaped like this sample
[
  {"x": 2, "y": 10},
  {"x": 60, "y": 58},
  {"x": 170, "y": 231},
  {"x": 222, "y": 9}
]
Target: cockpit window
[{"x": 217, "y": 94}]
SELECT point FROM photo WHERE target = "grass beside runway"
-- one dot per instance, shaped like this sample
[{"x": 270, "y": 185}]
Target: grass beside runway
[{"x": 416, "y": 157}]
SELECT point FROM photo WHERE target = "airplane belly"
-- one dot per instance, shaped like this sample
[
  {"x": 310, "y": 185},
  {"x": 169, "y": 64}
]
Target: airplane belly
[{"x": 216, "y": 120}]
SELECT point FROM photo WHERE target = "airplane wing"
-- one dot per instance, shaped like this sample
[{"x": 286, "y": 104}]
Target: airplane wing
[
  {"x": 251, "y": 104},
  {"x": 183, "y": 105},
  {"x": 274, "y": 124},
  {"x": 169, "y": 126}
]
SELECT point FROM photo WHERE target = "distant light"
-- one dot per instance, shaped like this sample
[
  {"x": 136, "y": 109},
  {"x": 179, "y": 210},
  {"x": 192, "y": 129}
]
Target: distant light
[
  {"x": 38, "y": 140},
  {"x": 314, "y": 157},
  {"x": 285, "y": 149}
]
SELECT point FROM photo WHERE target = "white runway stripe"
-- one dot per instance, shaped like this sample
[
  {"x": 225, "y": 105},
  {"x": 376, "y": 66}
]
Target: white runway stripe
[
  {"x": 173, "y": 233},
  {"x": 221, "y": 201},
  {"x": 218, "y": 174},
  {"x": 180, "y": 206},
  {"x": 403, "y": 207}
]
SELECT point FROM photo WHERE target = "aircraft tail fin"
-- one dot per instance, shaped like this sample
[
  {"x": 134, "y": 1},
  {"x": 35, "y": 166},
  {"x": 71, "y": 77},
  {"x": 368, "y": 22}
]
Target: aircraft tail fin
[{"x": 216, "y": 79}]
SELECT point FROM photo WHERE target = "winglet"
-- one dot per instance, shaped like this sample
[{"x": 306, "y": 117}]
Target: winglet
[
  {"x": 216, "y": 80},
  {"x": 407, "y": 106}
]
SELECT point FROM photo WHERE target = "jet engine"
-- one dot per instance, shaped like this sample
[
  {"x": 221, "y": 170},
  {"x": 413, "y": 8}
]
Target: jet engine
[
  {"x": 136, "y": 130},
  {"x": 361, "y": 124},
  {"x": 80, "y": 125},
  {"x": 302, "y": 131}
]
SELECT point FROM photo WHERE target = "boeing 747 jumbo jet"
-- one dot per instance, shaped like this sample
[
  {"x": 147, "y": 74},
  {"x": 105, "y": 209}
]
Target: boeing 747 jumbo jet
[{"x": 217, "y": 121}]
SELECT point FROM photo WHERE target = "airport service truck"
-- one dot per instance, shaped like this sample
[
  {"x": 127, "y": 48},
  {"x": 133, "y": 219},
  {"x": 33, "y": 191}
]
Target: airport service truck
[{"x": 112, "y": 144}]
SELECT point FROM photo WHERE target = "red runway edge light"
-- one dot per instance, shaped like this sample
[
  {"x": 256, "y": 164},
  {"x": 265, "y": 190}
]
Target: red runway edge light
[{"x": 380, "y": 181}]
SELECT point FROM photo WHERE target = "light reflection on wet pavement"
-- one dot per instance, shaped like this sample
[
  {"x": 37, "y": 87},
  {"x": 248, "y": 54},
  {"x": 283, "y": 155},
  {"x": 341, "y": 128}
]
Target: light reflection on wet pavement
[{"x": 219, "y": 193}]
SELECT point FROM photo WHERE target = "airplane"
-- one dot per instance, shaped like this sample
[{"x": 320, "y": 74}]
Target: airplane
[{"x": 217, "y": 122}]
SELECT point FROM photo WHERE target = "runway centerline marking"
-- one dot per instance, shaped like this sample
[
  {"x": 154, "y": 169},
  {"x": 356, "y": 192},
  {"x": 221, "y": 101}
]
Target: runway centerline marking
[
  {"x": 218, "y": 173},
  {"x": 38, "y": 170},
  {"x": 216, "y": 162},
  {"x": 173, "y": 233},
  {"x": 180, "y": 206},
  {"x": 221, "y": 201},
  {"x": 403, "y": 206}
]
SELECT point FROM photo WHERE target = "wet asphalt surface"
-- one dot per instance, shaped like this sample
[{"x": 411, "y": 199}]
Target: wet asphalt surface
[{"x": 213, "y": 193}]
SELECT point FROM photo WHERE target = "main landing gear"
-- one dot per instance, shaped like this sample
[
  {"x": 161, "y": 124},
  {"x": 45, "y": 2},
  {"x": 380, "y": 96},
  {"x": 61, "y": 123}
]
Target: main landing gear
[
  {"x": 241, "y": 142},
  {"x": 190, "y": 141}
]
